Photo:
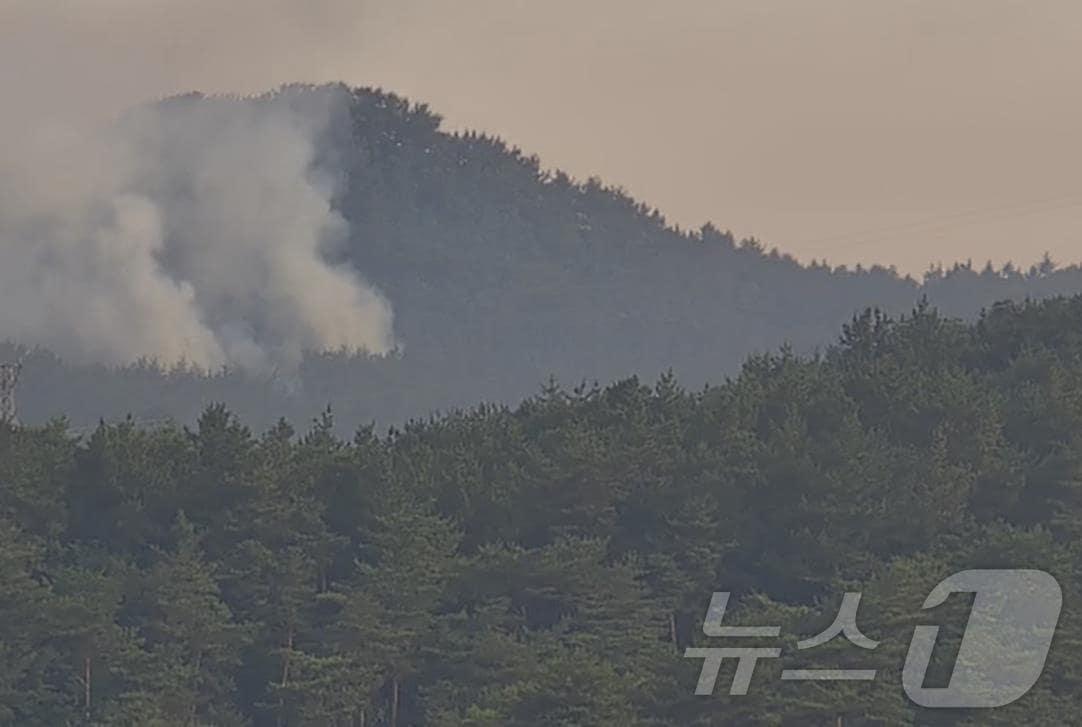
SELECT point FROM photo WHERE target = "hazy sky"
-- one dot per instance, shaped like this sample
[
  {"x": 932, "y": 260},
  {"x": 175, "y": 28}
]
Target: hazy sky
[{"x": 894, "y": 131}]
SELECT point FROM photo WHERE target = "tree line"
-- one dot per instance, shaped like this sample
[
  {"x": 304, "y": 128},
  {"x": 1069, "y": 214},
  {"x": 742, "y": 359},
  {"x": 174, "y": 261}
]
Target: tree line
[{"x": 550, "y": 563}]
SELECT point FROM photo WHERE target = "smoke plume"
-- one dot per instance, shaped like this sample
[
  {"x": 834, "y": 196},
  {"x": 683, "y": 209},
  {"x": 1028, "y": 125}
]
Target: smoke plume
[{"x": 196, "y": 230}]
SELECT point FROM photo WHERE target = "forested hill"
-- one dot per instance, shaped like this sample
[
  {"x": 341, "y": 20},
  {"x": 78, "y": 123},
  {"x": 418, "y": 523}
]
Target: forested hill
[
  {"x": 549, "y": 564},
  {"x": 502, "y": 274}
]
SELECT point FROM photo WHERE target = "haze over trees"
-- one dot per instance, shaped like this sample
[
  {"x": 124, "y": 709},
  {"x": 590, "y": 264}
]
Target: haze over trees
[
  {"x": 266, "y": 556},
  {"x": 501, "y": 274},
  {"x": 547, "y": 564}
]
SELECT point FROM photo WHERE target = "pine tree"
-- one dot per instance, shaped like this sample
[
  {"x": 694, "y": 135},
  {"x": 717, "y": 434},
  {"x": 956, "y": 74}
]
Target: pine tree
[{"x": 191, "y": 632}]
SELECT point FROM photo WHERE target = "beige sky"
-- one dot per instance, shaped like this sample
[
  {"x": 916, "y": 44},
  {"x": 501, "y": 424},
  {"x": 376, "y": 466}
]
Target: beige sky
[{"x": 893, "y": 131}]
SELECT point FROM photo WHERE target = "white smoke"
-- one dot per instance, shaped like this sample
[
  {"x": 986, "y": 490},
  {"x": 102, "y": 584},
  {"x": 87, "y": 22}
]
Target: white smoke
[{"x": 198, "y": 230}]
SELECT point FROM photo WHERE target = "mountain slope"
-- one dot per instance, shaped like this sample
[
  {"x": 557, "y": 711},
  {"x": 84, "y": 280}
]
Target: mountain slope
[{"x": 502, "y": 274}]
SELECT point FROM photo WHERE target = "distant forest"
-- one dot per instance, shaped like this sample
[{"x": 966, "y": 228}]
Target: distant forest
[
  {"x": 547, "y": 565},
  {"x": 503, "y": 274}
]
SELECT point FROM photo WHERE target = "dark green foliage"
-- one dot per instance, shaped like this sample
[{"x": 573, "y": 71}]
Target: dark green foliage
[{"x": 548, "y": 564}]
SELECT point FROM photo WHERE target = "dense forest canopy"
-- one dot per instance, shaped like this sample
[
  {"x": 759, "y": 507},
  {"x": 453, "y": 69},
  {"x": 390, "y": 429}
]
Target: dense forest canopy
[
  {"x": 502, "y": 273},
  {"x": 547, "y": 564}
]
